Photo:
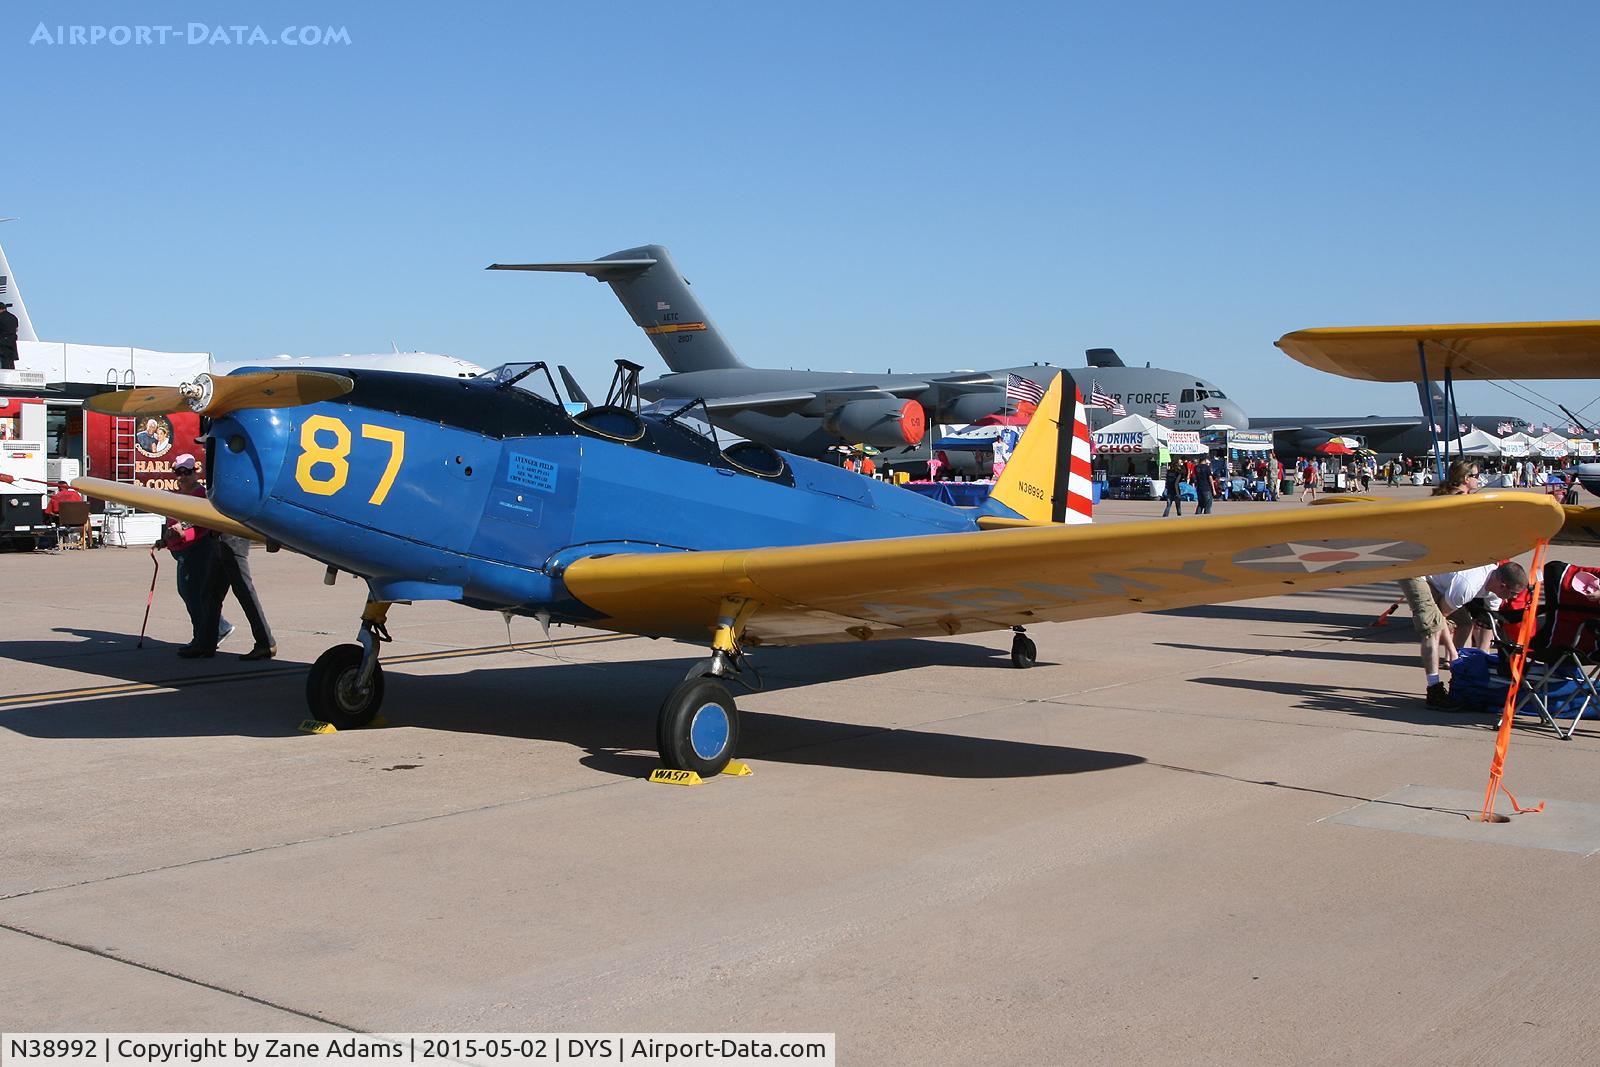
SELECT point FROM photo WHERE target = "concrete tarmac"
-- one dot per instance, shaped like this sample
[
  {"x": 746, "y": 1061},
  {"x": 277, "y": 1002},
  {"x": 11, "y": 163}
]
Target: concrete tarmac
[{"x": 1122, "y": 855}]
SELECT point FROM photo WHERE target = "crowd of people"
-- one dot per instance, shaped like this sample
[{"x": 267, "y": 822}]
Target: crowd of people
[
  {"x": 1256, "y": 477},
  {"x": 1263, "y": 476}
]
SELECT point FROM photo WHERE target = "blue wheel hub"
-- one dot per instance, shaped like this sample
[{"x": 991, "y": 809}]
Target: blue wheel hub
[{"x": 709, "y": 730}]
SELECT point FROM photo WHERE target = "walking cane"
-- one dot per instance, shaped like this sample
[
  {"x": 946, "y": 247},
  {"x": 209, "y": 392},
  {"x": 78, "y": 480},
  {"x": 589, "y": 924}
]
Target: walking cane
[{"x": 151, "y": 599}]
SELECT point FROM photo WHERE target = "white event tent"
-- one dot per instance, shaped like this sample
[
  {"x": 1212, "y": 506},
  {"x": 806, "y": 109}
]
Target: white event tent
[
  {"x": 1475, "y": 443},
  {"x": 1551, "y": 446},
  {"x": 1516, "y": 445},
  {"x": 1134, "y": 434}
]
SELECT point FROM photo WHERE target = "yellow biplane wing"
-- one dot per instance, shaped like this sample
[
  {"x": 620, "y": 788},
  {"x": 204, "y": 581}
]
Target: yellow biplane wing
[
  {"x": 1468, "y": 351},
  {"x": 966, "y": 582},
  {"x": 1581, "y": 528},
  {"x": 190, "y": 509}
]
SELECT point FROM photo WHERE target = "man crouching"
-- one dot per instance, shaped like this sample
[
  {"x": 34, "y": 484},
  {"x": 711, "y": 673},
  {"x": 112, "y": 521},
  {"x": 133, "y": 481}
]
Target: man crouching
[{"x": 1441, "y": 608}]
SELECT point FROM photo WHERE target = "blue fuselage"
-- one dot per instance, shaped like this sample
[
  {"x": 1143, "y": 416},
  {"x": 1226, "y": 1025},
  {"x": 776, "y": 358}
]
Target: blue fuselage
[{"x": 459, "y": 490}]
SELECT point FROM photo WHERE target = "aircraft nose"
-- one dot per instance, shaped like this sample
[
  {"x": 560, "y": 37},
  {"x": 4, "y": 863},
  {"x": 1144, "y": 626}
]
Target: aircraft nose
[
  {"x": 1234, "y": 415},
  {"x": 245, "y": 450}
]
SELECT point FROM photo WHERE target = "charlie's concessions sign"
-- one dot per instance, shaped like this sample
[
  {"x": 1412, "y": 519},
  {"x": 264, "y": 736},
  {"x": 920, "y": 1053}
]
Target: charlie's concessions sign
[{"x": 140, "y": 449}]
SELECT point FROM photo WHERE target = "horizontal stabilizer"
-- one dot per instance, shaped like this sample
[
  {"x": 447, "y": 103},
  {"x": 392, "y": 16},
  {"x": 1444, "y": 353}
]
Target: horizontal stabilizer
[
  {"x": 600, "y": 269},
  {"x": 658, "y": 299}
]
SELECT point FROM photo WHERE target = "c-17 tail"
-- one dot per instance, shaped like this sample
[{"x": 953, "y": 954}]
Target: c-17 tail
[{"x": 657, "y": 296}]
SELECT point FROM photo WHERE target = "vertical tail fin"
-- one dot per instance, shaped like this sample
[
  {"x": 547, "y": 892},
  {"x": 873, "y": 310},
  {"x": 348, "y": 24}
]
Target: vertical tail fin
[
  {"x": 1047, "y": 478},
  {"x": 10, "y": 294},
  {"x": 658, "y": 298}
]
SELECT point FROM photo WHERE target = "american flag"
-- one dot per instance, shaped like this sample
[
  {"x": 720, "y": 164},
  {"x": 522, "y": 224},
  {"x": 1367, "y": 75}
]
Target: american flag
[
  {"x": 1020, "y": 390},
  {"x": 1101, "y": 400},
  {"x": 1462, "y": 429},
  {"x": 1505, "y": 428},
  {"x": 1213, "y": 413},
  {"x": 1573, "y": 431},
  {"x": 662, "y": 305},
  {"x": 1117, "y": 408},
  {"x": 1166, "y": 411},
  {"x": 2, "y": 285}
]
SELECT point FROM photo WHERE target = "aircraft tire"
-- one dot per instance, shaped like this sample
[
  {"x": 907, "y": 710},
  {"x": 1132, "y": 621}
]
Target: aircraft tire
[
  {"x": 329, "y": 694},
  {"x": 1024, "y": 653},
  {"x": 698, "y": 729}
]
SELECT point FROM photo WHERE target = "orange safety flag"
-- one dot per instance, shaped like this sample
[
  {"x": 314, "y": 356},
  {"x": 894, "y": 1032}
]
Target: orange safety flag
[{"x": 1519, "y": 659}]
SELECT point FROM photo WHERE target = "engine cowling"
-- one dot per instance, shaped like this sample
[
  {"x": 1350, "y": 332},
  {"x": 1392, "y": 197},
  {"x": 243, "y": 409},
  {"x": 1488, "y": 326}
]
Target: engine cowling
[
  {"x": 971, "y": 407},
  {"x": 882, "y": 423}
]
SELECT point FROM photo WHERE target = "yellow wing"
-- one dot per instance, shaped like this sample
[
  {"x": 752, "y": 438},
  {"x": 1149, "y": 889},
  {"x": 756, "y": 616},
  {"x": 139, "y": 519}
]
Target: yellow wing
[
  {"x": 193, "y": 509},
  {"x": 1581, "y": 528},
  {"x": 1471, "y": 350},
  {"x": 966, "y": 582}
]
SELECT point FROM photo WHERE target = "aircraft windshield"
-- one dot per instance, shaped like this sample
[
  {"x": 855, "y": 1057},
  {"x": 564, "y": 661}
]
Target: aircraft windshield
[
  {"x": 532, "y": 378},
  {"x": 691, "y": 415}
]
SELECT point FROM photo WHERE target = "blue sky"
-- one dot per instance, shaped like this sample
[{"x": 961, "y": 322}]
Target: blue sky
[{"x": 918, "y": 186}]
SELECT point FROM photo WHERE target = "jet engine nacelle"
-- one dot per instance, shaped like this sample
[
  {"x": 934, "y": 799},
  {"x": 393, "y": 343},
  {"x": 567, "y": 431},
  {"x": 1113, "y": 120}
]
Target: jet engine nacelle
[
  {"x": 972, "y": 407},
  {"x": 885, "y": 422}
]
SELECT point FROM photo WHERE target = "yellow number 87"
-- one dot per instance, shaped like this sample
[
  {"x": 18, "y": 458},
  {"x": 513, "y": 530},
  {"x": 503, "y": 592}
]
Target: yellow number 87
[{"x": 336, "y": 456}]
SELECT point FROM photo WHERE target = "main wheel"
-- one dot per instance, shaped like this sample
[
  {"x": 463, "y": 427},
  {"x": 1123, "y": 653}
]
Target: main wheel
[
  {"x": 331, "y": 691},
  {"x": 699, "y": 727},
  {"x": 1023, "y": 652}
]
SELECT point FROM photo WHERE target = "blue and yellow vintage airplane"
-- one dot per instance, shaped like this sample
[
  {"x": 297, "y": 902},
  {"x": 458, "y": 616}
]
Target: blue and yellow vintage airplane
[{"x": 488, "y": 492}]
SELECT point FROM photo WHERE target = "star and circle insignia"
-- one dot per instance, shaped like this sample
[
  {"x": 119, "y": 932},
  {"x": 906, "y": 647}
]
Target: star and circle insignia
[{"x": 1337, "y": 554}]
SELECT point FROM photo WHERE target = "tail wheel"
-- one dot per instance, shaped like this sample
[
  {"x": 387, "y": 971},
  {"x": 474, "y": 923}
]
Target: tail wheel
[
  {"x": 698, "y": 728},
  {"x": 331, "y": 691},
  {"x": 1024, "y": 654}
]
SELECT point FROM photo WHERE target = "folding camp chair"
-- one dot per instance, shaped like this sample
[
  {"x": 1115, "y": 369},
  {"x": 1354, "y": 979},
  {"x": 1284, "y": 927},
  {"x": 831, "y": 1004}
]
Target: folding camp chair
[
  {"x": 71, "y": 523},
  {"x": 1559, "y": 680}
]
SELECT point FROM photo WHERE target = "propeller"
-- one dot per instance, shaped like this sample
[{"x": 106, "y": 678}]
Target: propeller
[{"x": 217, "y": 396}]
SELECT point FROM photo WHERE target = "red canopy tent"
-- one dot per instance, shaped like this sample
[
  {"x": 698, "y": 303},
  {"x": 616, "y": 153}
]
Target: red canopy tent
[{"x": 1335, "y": 447}]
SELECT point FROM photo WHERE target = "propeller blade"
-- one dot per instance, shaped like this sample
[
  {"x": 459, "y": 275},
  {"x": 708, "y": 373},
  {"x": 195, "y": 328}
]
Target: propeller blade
[
  {"x": 215, "y": 397},
  {"x": 149, "y": 400},
  {"x": 271, "y": 389}
]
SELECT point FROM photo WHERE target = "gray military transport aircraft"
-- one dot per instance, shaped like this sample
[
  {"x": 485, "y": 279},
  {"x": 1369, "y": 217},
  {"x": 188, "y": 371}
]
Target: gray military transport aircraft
[
  {"x": 1387, "y": 435},
  {"x": 807, "y": 412}
]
